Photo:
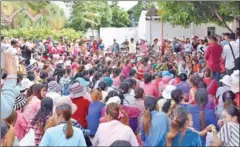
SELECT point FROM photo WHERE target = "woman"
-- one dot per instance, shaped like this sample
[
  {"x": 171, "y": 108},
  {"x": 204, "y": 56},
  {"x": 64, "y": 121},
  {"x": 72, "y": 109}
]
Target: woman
[
  {"x": 64, "y": 134},
  {"x": 116, "y": 77},
  {"x": 41, "y": 118},
  {"x": 103, "y": 87},
  {"x": 154, "y": 124},
  {"x": 202, "y": 117},
  {"x": 128, "y": 99},
  {"x": 179, "y": 98},
  {"x": 115, "y": 128},
  {"x": 94, "y": 111},
  {"x": 179, "y": 134},
  {"x": 149, "y": 88},
  {"x": 194, "y": 80},
  {"x": 212, "y": 84},
  {"x": 78, "y": 96},
  {"x": 188, "y": 46},
  {"x": 229, "y": 132},
  {"x": 96, "y": 79},
  {"x": 139, "y": 95}
]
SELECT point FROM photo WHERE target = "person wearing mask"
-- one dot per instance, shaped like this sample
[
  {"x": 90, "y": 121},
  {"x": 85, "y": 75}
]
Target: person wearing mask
[
  {"x": 39, "y": 121},
  {"x": 115, "y": 128},
  {"x": 213, "y": 57},
  {"x": 9, "y": 92},
  {"x": 229, "y": 131},
  {"x": 154, "y": 125},
  {"x": 230, "y": 53},
  {"x": 94, "y": 111},
  {"x": 202, "y": 117},
  {"x": 180, "y": 134},
  {"x": 63, "y": 134},
  {"x": 150, "y": 88}
]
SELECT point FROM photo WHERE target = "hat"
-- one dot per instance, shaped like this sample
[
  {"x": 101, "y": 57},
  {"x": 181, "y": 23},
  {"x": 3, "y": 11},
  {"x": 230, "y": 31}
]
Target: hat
[
  {"x": 167, "y": 73},
  {"x": 82, "y": 81},
  {"x": 235, "y": 81},
  {"x": 227, "y": 80},
  {"x": 26, "y": 84},
  {"x": 108, "y": 81},
  {"x": 77, "y": 90},
  {"x": 53, "y": 86},
  {"x": 114, "y": 99},
  {"x": 66, "y": 100},
  {"x": 167, "y": 91},
  {"x": 20, "y": 101}
]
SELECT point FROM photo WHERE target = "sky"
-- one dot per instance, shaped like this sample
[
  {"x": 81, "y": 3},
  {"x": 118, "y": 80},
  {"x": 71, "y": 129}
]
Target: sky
[{"x": 123, "y": 4}]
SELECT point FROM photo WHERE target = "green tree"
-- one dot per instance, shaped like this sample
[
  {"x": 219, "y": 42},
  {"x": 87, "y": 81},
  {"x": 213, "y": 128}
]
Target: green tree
[
  {"x": 120, "y": 18},
  {"x": 90, "y": 14},
  {"x": 185, "y": 12}
]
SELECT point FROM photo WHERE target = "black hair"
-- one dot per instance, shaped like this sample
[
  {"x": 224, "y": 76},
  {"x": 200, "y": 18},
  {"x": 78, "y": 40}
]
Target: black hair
[
  {"x": 131, "y": 82},
  {"x": 102, "y": 86},
  {"x": 132, "y": 72},
  {"x": 231, "y": 36},
  {"x": 49, "y": 79},
  {"x": 202, "y": 84},
  {"x": 31, "y": 75},
  {"x": 147, "y": 78},
  {"x": 183, "y": 77},
  {"x": 166, "y": 106},
  {"x": 116, "y": 72},
  {"x": 14, "y": 42},
  {"x": 124, "y": 87},
  {"x": 122, "y": 78},
  {"x": 121, "y": 143},
  {"x": 111, "y": 94},
  {"x": 91, "y": 71},
  {"x": 177, "y": 95},
  {"x": 139, "y": 93},
  {"x": 233, "y": 111},
  {"x": 96, "y": 77},
  {"x": 214, "y": 38},
  {"x": 19, "y": 78}
]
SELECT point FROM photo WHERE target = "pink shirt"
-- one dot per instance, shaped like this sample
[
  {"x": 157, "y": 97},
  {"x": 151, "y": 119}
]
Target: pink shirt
[
  {"x": 32, "y": 109},
  {"x": 114, "y": 130},
  {"x": 150, "y": 90},
  {"x": 21, "y": 126}
]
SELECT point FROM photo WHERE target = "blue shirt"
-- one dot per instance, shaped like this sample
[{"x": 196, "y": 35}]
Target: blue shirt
[
  {"x": 210, "y": 117},
  {"x": 8, "y": 96},
  {"x": 94, "y": 114},
  {"x": 158, "y": 130},
  {"x": 55, "y": 136},
  {"x": 190, "y": 138}
]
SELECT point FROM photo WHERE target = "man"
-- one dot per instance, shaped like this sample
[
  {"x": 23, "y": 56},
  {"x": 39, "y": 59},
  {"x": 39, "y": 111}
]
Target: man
[
  {"x": 132, "y": 47},
  {"x": 14, "y": 49},
  {"x": 230, "y": 53},
  {"x": 155, "y": 45},
  {"x": 213, "y": 57},
  {"x": 116, "y": 48},
  {"x": 225, "y": 41}
]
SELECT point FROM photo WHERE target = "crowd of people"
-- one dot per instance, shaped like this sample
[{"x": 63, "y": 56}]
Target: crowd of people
[{"x": 180, "y": 92}]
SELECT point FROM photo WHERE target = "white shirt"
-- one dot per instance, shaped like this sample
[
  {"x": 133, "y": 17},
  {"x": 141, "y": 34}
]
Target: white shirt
[
  {"x": 227, "y": 54},
  {"x": 188, "y": 47},
  {"x": 185, "y": 70},
  {"x": 132, "y": 47}
]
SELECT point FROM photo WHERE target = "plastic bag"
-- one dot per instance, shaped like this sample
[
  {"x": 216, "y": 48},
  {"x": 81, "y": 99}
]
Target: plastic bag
[{"x": 29, "y": 139}]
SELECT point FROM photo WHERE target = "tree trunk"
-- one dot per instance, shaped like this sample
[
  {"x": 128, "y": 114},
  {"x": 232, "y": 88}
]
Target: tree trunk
[
  {"x": 224, "y": 22},
  {"x": 92, "y": 32}
]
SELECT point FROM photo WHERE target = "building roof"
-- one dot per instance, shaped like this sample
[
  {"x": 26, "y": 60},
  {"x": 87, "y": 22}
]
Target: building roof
[{"x": 152, "y": 11}]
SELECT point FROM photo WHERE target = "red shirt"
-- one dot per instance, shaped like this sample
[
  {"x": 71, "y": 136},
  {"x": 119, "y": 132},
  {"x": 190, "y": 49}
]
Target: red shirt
[
  {"x": 237, "y": 99},
  {"x": 213, "y": 87},
  {"x": 213, "y": 57},
  {"x": 82, "y": 111}
]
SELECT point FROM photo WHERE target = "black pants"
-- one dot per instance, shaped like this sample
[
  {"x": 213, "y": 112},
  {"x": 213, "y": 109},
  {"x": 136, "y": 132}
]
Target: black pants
[{"x": 88, "y": 141}]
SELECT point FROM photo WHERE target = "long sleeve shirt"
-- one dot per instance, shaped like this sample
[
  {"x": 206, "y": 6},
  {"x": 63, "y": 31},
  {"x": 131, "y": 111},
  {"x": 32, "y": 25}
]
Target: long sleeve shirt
[{"x": 8, "y": 96}]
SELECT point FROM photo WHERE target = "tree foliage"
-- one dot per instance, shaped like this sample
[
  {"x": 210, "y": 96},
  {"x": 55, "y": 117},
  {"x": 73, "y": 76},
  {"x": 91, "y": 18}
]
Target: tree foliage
[
  {"x": 96, "y": 14},
  {"x": 185, "y": 12},
  {"x": 32, "y": 14},
  {"x": 41, "y": 33}
]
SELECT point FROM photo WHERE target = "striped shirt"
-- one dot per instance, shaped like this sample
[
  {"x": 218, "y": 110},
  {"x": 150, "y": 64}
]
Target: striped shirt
[{"x": 229, "y": 134}]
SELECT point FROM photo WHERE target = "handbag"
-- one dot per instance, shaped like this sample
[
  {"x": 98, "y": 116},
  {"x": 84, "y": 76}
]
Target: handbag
[{"x": 236, "y": 60}]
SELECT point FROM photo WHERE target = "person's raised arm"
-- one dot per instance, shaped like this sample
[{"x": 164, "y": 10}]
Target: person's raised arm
[{"x": 9, "y": 93}]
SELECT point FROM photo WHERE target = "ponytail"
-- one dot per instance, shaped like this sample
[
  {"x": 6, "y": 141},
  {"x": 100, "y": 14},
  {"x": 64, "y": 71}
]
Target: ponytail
[
  {"x": 173, "y": 132},
  {"x": 202, "y": 119},
  {"x": 147, "y": 118},
  {"x": 69, "y": 130}
]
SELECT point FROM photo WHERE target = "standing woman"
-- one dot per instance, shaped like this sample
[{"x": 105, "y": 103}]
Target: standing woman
[
  {"x": 179, "y": 134},
  {"x": 115, "y": 128},
  {"x": 41, "y": 118},
  {"x": 63, "y": 134},
  {"x": 154, "y": 125}
]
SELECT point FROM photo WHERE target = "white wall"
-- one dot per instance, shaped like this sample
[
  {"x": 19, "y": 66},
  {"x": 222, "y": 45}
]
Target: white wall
[
  {"x": 120, "y": 34},
  {"x": 90, "y": 33}
]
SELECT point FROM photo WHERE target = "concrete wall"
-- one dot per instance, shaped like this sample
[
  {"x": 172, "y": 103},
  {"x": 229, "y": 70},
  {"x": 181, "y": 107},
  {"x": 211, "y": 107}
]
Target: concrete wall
[{"x": 120, "y": 34}]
